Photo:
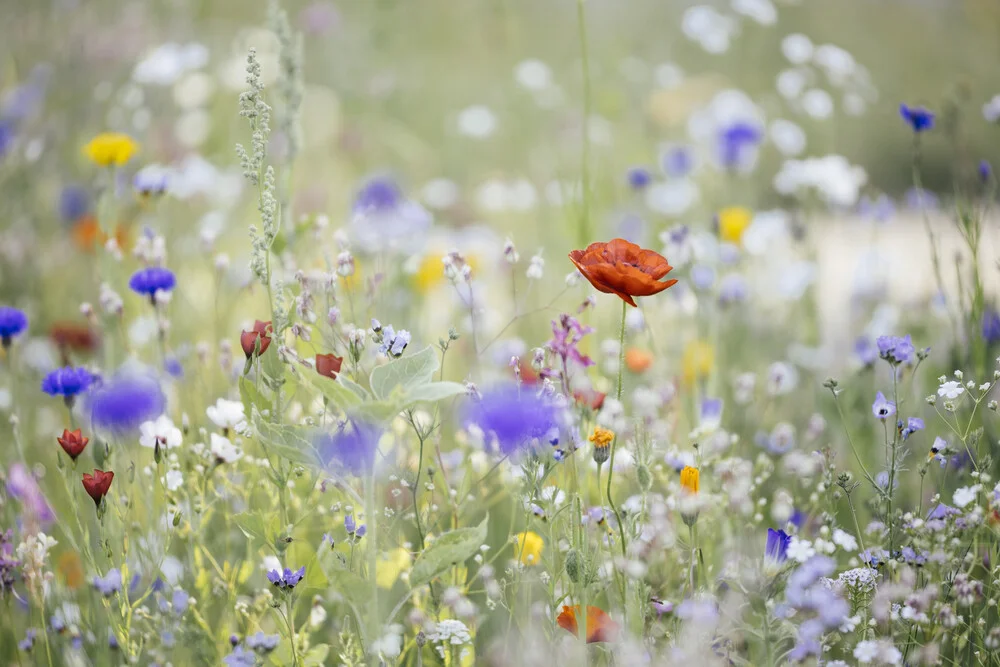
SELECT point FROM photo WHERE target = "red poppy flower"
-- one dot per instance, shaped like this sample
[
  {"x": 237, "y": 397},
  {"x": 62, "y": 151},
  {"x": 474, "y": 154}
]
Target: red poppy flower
[
  {"x": 600, "y": 627},
  {"x": 73, "y": 442},
  {"x": 248, "y": 339},
  {"x": 97, "y": 485},
  {"x": 591, "y": 398},
  {"x": 328, "y": 365},
  {"x": 623, "y": 268},
  {"x": 73, "y": 336}
]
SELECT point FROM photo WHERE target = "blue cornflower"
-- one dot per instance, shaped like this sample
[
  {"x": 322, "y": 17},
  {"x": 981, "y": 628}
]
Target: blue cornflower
[
  {"x": 287, "y": 578},
  {"x": 676, "y": 161},
  {"x": 991, "y": 326},
  {"x": 384, "y": 218},
  {"x": 263, "y": 643},
  {"x": 512, "y": 417},
  {"x": 74, "y": 203},
  {"x": 638, "y": 178},
  {"x": 735, "y": 143},
  {"x": 152, "y": 279},
  {"x": 985, "y": 170},
  {"x": 124, "y": 401},
  {"x": 12, "y": 323},
  {"x": 351, "y": 448},
  {"x": 179, "y": 601},
  {"x": 919, "y": 118},
  {"x": 883, "y": 408},
  {"x": 67, "y": 382},
  {"x": 110, "y": 583},
  {"x": 776, "y": 548},
  {"x": 240, "y": 657},
  {"x": 895, "y": 349}
]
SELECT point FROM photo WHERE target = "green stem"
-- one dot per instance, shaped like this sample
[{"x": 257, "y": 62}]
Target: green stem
[
  {"x": 372, "y": 535},
  {"x": 614, "y": 441},
  {"x": 584, "y": 227}
]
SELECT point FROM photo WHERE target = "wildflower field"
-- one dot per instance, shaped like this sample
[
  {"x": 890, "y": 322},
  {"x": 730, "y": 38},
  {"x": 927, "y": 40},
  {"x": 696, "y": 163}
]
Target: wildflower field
[{"x": 563, "y": 332}]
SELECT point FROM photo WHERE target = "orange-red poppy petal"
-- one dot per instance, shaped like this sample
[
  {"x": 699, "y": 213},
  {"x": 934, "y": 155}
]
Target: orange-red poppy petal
[{"x": 600, "y": 626}]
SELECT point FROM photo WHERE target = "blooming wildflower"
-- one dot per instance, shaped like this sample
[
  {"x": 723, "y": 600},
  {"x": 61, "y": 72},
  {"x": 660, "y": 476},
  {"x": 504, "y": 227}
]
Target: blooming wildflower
[
  {"x": 697, "y": 360},
  {"x": 799, "y": 550},
  {"x": 883, "y": 408},
  {"x": 393, "y": 343},
  {"x": 152, "y": 279},
  {"x": 67, "y": 382},
  {"x": 951, "y": 390},
  {"x": 529, "y": 548},
  {"x": 226, "y": 414},
  {"x": 736, "y": 144},
  {"x": 259, "y": 334},
  {"x": 844, "y": 540},
  {"x": 638, "y": 178},
  {"x": 638, "y": 361},
  {"x": 240, "y": 657},
  {"x": 895, "y": 349},
  {"x": 913, "y": 424},
  {"x": 73, "y": 442},
  {"x": 733, "y": 221},
  {"x": 661, "y": 607},
  {"x": 351, "y": 448},
  {"x": 159, "y": 434},
  {"x": 622, "y": 268},
  {"x": 776, "y": 547},
  {"x": 676, "y": 161},
  {"x": 21, "y": 484},
  {"x": 150, "y": 181},
  {"x": 383, "y": 218},
  {"x": 919, "y": 118},
  {"x": 733, "y": 288},
  {"x": 28, "y": 642},
  {"x": 567, "y": 333},
  {"x": 702, "y": 276},
  {"x": 97, "y": 485},
  {"x": 965, "y": 495},
  {"x": 224, "y": 451},
  {"x": 511, "y": 416},
  {"x": 125, "y": 401},
  {"x": 110, "y": 583},
  {"x": 600, "y": 626},
  {"x": 262, "y": 643},
  {"x": 602, "y": 438},
  {"x": 689, "y": 479},
  {"x": 110, "y": 148},
  {"x": 985, "y": 170},
  {"x": 328, "y": 365},
  {"x": 12, "y": 323},
  {"x": 174, "y": 479},
  {"x": 287, "y": 578}
]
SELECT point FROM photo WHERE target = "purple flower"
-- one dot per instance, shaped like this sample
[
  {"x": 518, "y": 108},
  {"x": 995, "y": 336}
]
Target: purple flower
[
  {"x": 879, "y": 209},
  {"x": 676, "y": 161},
  {"x": 28, "y": 642},
  {"x": 985, "y": 170},
  {"x": 776, "y": 547},
  {"x": 12, "y": 323},
  {"x": 512, "y": 417},
  {"x": 919, "y": 118},
  {"x": 9, "y": 566},
  {"x": 74, "y": 203},
  {"x": 991, "y": 326},
  {"x": 240, "y": 657},
  {"x": 913, "y": 424},
  {"x": 263, "y": 643},
  {"x": 883, "y": 408},
  {"x": 567, "y": 333},
  {"x": 127, "y": 399},
  {"x": 393, "y": 343},
  {"x": 736, "y": 143},
  {"x": 711, "y": 410},
  {"x": 110, "y": 583},
  {"x": 733, "y": 289},
  {"x": 152, "y": 279},
  {"x": 67, "y": 382},
  {"x": 702, "y": 276},
  {"x": 352, "y": 448},
  {"x": 942, "y": 511},
  {"x": 384, "y": 218},
  {"x": 287, "y": 578},
  {"x": 895, "y": 349},
  {"x": 638, "y": 178},
  {"x": 919, "y": 198},
  {"x": 661, "y": 607},
  {"x": 21, "y": 484},
  {"x": 865, "y": 351}
]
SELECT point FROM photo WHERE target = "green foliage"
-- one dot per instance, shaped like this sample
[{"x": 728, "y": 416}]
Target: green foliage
[{"x": 453, "y": 547}]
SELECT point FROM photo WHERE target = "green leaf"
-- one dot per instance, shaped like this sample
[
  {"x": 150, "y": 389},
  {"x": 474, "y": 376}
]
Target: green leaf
[
  {"x": 250, "y": 397},
  {"x": 335, "y": 392},
  {"x": 351, "y": 587},
  {"x": 406, "y": 372},
  {"x": 290, "y": 442},
  {"x": 252, "y": 525},
  {"x": 317, "y": 655},
  {"x": 433, "y": 392},
  {"x": 455, "y": 546},
  {"x": 355, "y": 387},
  {"x": 377, "y": 412}
]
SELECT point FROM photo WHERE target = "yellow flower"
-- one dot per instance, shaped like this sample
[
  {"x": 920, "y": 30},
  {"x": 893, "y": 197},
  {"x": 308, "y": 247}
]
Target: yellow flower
[
  {"x": 689, "y": 479},
  {"x": 110, "y": 148},
  {"x": 387, "y": 571},
  {"x": 430, "y": 272},
  {"x": 697, "y": 361},
  {"x": 529, "y": 548},
  {"x": 602, "y": 437},
  {"x": 733, "y": 221}
]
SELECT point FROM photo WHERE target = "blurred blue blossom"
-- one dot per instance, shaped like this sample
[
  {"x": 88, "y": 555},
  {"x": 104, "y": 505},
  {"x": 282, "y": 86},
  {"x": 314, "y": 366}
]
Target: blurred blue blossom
[
  {"x": 512, "y": 416},
  {"x": 110, "y": 583},
  {"x": 152, "y": 279},
  {"x": 12, "y": 323},
  {"x": 918, "y": 118},
  {"x": 352, "y": 448},
  {"x": 638, "y": 178},
  {"x": 67, "y": 382},
  {"x": 122, "y": 402},
  {"x": 736, "y": 143},
  {"x": 677, "y": 161},
  {"x": 384, "y": 219}
]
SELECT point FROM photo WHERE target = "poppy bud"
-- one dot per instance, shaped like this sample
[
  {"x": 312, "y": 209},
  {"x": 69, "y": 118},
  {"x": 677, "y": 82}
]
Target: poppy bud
[
  {"x": 328, "y": 365},
  {"x": 573, "y": 565},
  {"x": 249, "y": 339},
  {"x": 97, "y": 485},
  {"x": 73, "y": 442},
  {"x": 644, "y": 477}
]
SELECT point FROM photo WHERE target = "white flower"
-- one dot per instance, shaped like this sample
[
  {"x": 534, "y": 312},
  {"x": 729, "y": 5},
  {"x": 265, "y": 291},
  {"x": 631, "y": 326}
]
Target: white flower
[
  {"x": 965, "y": 495},
  {"x": 951, "y": 390},
  {"x": 161, "y": 432},
  {"x": 848, "y": 625},
  {"x": 712, "y": 30},
  {"x": 800, "y": 550},
  {"x": 797, "y": 48},
  {"x": 817, "y": 103},
  {"x": 223, "y": 450},
  {"x": 174, "y": 479},
  {"x": 533, "y": 74},
  {"x": 788, "y": 137},
  {"x": 832, "y": 177},
  {"x": 991, "y": 110},
  {"x": 451, "y": 631},
  {"x": 844, "y": 540},
  {"x": 866, "y": 651},
  {"x": 226, "y": 414},
  {"x": 477, "y": 122},
  {"x": 761, "y": 11}
]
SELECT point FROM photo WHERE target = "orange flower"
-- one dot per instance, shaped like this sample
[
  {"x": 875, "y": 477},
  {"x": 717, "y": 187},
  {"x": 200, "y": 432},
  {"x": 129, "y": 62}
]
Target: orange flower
[
  {"x": 689, "y": 479},
  {"x": 87, "y": 234},
  {"x": 71, "y": 569},
  {"x": 638, "y": 361},
  {"x": 600, "y": 627},
  {"x": 622, "y": 268}
]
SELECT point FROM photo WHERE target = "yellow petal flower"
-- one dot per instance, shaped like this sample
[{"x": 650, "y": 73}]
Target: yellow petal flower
[
  {"x": 110, "y": 148},
  {"x": 387, "y": 570},
  {"x": 697, "y": 361},
  {"x": 529, "y": 547},
  {"x": 689, "y": 479},
  {"x": 733, "y": 221}
]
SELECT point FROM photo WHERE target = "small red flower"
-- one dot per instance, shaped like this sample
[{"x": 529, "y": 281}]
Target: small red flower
[
  {"x": 591, "y": 398},
  {"x": 73, "y": 336},
  {"x": 600, "y": 627},
  {"x": 73, "y": 442},
  {"x": 97, "y": 485},
  {"x": 248, "y": 339},
  {"x": 328, "y": 365},
  {"x": 623, "y": 268}
]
